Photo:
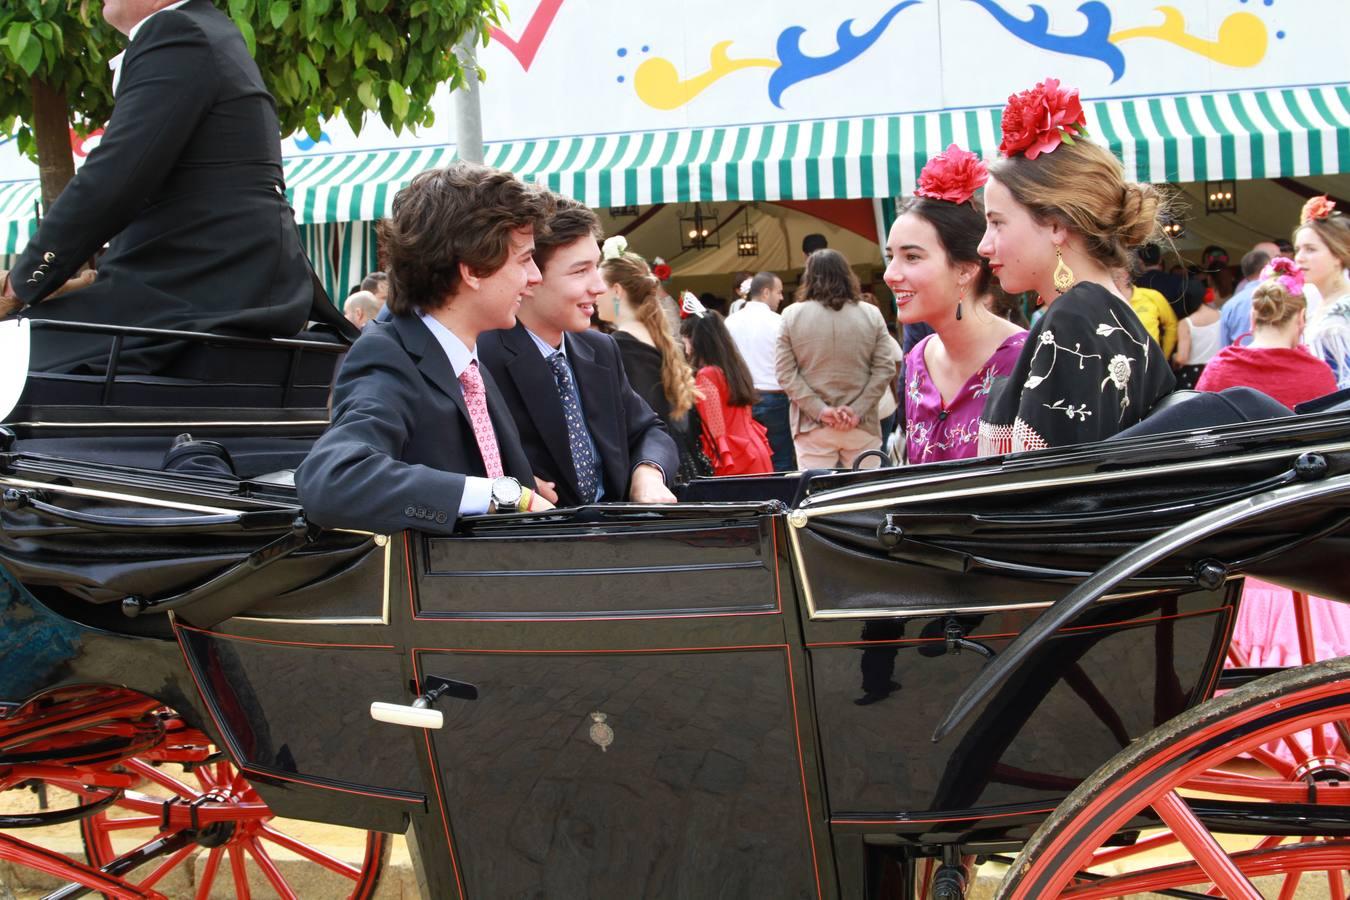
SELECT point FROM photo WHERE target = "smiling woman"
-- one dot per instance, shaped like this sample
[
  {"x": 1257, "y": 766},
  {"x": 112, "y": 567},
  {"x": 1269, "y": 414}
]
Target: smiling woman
[{"x": 940, "y": 279}]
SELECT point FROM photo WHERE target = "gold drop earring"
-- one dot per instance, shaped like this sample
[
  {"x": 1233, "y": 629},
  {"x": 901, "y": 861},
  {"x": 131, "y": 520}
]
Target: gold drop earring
[{"x": 1063, "y": 274}]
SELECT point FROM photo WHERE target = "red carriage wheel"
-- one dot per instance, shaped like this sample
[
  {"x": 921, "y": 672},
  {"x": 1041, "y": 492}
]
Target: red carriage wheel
[
  {"x": 228, "y": 827},
  {"x": 1235, "y": 811}
]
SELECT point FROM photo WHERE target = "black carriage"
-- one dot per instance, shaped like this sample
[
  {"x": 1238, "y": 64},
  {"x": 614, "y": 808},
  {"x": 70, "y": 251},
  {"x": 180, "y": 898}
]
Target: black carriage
[{"x": 736, "y": 696}]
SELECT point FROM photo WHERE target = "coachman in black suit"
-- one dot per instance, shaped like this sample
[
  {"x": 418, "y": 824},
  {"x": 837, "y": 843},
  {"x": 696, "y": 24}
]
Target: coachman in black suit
[
  {"x": 187, "y": 185},
  {"x": 622, "y": 426}
]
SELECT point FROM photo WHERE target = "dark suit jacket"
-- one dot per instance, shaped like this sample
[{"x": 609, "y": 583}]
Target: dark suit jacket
[
  {"x": 401, "y": 442},
  {"x": 625, "y": 430},
  {"x": 187, "y": 184}
]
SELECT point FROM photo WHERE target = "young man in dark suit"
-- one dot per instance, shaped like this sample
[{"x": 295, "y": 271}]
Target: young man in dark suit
[
  {"x": 583, "y": 427},
  {"x": 420, "y": 434},
  {"x": 187, "y": 184}
]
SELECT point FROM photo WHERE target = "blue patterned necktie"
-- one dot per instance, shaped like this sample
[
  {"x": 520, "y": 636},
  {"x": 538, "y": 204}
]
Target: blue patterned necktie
[{"x": 583, "y": 454}]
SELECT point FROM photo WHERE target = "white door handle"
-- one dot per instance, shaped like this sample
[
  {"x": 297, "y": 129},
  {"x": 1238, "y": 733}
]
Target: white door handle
[{"x": 413, "y": 716}]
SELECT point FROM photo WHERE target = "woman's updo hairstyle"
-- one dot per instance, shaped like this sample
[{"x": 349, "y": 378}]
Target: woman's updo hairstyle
[
  {"x": 1333, "y": 227},
  {"x": 1052, "y": 168},
  {"x": 1279, "y": 297},
  {"x": 1082, "y": 186}
]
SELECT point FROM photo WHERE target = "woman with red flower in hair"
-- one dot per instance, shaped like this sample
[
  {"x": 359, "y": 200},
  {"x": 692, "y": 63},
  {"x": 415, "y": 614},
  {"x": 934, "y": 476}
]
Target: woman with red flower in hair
[
  {"x": 940, "y": 279},
  {"x": 1059, "y": 219}
]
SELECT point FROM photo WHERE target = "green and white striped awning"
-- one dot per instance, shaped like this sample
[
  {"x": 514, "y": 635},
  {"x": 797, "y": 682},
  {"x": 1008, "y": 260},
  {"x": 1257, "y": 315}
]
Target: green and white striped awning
[{"x": 1198, "y": 137}]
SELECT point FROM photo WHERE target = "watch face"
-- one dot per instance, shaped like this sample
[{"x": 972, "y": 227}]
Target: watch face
[{"x": 506, "y": 492}]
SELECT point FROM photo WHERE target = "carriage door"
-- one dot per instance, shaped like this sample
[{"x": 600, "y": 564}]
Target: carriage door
[{"x": 635, "y": 732}]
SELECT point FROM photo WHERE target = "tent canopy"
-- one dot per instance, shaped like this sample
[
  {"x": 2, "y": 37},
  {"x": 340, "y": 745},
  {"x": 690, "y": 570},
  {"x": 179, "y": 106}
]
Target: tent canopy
[{"x": 1191, "y": 138}]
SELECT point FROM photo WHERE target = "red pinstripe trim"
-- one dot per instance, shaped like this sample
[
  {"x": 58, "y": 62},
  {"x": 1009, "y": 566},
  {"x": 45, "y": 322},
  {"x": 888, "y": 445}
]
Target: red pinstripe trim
[
  {"x": 987, "y": 637},
  {"x": 801, "y": 766},
  {"x": 973, "y": 817},
  {"x": 653, "y": 616},
  {"x": 257, "y": 640},
  {"x": 417, "y": 650},
  {"x": 440, "y": 794},
  {"x": 263, "y": 773},
  {"x": 228, "y": 737}
]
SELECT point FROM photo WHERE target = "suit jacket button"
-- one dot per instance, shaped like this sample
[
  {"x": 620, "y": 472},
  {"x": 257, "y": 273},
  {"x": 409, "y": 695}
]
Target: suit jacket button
[
  {"x": 49, "y": 256},
  {"x": 440, "y": 518},
  {"x": 32, "y": 281},
  {"x": 409, "y": 512},
  {"x": 39, "y": 274}
]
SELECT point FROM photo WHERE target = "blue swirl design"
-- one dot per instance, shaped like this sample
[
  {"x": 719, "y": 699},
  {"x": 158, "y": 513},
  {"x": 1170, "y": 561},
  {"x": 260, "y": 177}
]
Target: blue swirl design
[
  {"x": 797, "y": 66},
  {"x": 303, "y": 142},
  {"x": 1093, "y": 43}
]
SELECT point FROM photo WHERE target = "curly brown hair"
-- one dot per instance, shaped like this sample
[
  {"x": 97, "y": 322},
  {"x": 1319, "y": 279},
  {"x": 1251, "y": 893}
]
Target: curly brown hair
[
  {"x": 829, "y": 280},
  {"x": 463, "y": 213}
]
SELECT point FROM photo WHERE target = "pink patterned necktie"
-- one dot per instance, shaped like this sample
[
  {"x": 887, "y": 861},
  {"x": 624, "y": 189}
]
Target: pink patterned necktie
[{"x": 475, "y": 398}]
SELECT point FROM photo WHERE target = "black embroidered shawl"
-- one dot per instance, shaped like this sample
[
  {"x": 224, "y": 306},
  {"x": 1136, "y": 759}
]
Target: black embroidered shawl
[{"x": 1087, "y": 371}]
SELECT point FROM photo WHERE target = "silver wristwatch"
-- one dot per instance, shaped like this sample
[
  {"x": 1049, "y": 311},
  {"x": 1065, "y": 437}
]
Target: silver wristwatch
[{"x": 506, "y": 494}]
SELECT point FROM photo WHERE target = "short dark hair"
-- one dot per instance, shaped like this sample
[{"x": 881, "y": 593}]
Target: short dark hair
[
  {"x": 462, "y": 213},
  {"x": 1253, "y": 262},
  {"x": 373, "y": 281},
  {"x": 829, "y": 280},
  {"x": 813, "y": 242},
  {"x": 569, "y": 220},
  {"x": 960, "y": 228},
  {"x": 1150, "y": 254},
  {"x": 762, "y": 282}
]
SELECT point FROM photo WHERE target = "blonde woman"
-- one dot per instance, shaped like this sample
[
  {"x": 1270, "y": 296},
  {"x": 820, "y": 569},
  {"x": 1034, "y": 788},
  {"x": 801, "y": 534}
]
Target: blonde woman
[{"x": 655, "y": 364}]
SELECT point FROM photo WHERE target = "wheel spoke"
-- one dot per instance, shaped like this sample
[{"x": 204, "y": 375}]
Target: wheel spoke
[
  {"x": 110, "y": 824},
  {"x": 269, "y": 869},
  {"x": 1212, "y": 858},
  {"x": 165, "y": 867},
  {"x": 240, "y": 874},
  {"x": 1290, "y": 885},
  {"x": 159, "y": 777},
  {"x": 1336, "y": 881},
  {"x": 208, "y": 878},
  {"x": 1103, "y": 857},
  {"x": 310, "y": 853}
]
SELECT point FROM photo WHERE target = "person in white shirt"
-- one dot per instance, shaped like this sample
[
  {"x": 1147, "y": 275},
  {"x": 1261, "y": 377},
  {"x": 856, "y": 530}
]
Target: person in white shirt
[{"x": 755, "y": 329}]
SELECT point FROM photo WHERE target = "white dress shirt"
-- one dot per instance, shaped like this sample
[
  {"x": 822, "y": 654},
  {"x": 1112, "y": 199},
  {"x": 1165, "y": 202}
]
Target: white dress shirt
[
  {"x": 755, "y": 329},
  {"x": 116, "y": 62},
  {"x": 477, "y": 491}
]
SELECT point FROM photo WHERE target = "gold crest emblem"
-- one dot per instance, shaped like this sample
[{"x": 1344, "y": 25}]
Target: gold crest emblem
[{"x": 601, "y": 734}]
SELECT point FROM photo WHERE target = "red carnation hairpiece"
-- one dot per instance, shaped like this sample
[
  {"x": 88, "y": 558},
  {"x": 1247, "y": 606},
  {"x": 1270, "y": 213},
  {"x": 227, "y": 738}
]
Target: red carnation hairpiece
[
  {"x": 953, "y": 175},
  {"x": 1316, "y": 208},
  {"x": 1039, "y": 120}
]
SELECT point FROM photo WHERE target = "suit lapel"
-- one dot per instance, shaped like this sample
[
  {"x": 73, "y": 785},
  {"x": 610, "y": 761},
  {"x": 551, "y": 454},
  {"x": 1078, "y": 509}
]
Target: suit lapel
[
  {"x": 539, "y": 391},
  {"x": 431, "y": 360},
  {"x": 599, "y": 393}
]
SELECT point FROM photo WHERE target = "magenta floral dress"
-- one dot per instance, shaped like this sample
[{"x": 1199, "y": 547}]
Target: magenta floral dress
[{"x": 937, "y": 431}]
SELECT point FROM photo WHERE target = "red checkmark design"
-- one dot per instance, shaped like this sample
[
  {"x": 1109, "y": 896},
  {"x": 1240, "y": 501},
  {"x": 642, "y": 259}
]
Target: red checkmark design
[{"x": 525, "y": 49}]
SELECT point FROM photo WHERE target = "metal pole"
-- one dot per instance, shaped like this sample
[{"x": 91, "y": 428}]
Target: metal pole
[{"x": 468, "y": 110}]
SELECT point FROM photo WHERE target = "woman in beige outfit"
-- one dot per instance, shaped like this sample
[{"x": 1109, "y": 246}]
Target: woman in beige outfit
[{"x": 835, "y": 360}]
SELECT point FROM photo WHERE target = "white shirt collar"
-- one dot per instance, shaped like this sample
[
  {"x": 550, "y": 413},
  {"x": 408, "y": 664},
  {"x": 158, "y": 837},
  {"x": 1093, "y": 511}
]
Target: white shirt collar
[
  {"x": 459, "y": 354},
  {"x": 116, "y": 62},
  {"x": 544, "y": 348}
]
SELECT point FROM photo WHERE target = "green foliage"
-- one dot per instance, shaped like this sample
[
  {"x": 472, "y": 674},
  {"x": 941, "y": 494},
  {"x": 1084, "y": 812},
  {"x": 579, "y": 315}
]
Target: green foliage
[
  {"x": 319, "y": 58},
  {"x": 59, "y": 42}
]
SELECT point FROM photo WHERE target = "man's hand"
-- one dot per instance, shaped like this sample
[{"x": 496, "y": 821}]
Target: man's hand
[
  {"x": 540, "y": 503},
  {"x": 845, "y": 419},
  {"x": 649, "y": 486},
  {"x": 9, "y": 301},
  {"x": 80, "y": 280},
  {"x": 546, "y": 489}
]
